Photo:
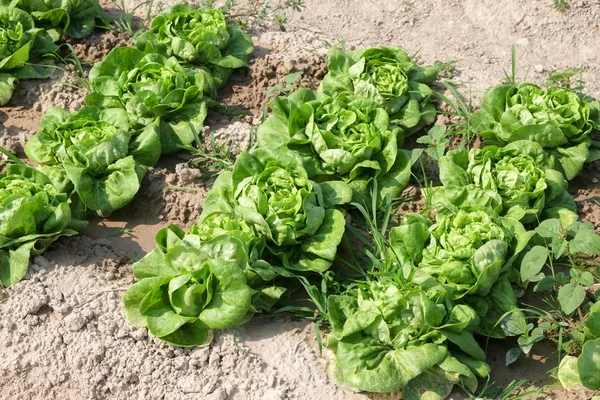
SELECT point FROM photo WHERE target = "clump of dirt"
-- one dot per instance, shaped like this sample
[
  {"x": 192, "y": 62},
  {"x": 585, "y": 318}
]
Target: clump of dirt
[
  {"x": 233, "y": 136},
  {"x": 588, "y": 205},
  {"x": 176, "y": 197},
  {"x": 249, "y": 86},
  {"x": 415, "y": 202},
  {"x": 64, "y": 89},
  {"x": 16, "y": 128},
  {"x": 585, "y": 188},
  {"x": 97, "y": 46}
]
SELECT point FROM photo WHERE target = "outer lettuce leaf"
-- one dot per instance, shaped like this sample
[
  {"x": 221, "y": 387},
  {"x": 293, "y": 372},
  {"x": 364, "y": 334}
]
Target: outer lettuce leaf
[
  {"x": 8, "y": 83},
  {"x": 588, "y": 364}
]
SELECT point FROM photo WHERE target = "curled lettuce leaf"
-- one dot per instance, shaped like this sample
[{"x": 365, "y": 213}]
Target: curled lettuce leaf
[
  {"x": 185, "y": 292},
  {"x": 151, "y": 87},
  {"x": 23, "y": 50},
  {"x": 391, "y": 336},
  {"x": 101, "y": 156},
  {"x": 556, "y": 118},
  {"x": 200, "y": 37},
  {"x": 33, "y": 214},
  {"x": 516, "y": 181},
  {"x": 271, "y": 192},
  {"x": 345, "y": 138},
  {"x": 390, "y": 77}
]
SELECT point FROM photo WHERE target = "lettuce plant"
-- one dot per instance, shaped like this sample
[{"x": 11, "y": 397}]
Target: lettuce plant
[
  {"x": 211, "y": 277},
  {"x": 23, "y": 48},
  {"x": 185, "y": 292},
  {"x": 516, "y": 180},
  {"x": 96, "y": 152},
  {"x": 470, "y": 253},
  {"x": 151, "y": 87},
  {"x": 348, "y": 138},
  {"x": 75, "y": 18},
  {"x": 33, "y": 215},
  {"x": 468, "y": 249},
  {"x": 388, "y": 76},
  {"x": 259, "y": 273},
  {"x": 199, "y": 37},
  {"x": 556, "y": 118},
  {"x": 393, "y": 336},
  {"x": 298, "y": 218}
]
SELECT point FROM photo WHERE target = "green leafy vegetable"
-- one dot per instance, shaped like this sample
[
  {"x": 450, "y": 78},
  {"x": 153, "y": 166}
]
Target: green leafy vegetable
[
  {"x": 151, "y": 87},
  {"x": 259, "y": 273},
  {"x": 74, "y": 18},
  {"x": 348, "y": 138},
  {"x": 185, "y": 292},
  {"x": 33, "y": 214},
  {"x": 556, "y": 118},
  {"x": 271, "y": 192},
  {"x": 95, "y": 152},
  {"x": 516, "y": 180},
  {"x": 200, "y": 37},
  {"x": 392, "y": 337},
  {"x": 388, "y": 76},
  {"x": 467, "y": 253},
  {"x": 23, "y": 50},
  {"x": 468, "y": 250}
]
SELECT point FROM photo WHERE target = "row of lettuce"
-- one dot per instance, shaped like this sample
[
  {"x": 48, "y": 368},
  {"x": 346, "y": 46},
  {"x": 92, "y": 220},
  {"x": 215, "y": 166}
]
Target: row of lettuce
[
  {"x": 144, "y": 102},
  {"x": 274, "y": 224},
  {"x": 279, "y": 215}
]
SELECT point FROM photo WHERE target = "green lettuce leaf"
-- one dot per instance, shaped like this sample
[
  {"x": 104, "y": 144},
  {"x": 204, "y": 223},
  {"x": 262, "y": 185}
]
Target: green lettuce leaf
[
  {"x": 200, "y": 37},
  {"x": 185, "y": 291},
  {"x": 271, "y": 192},
  {"x": 556, "y": 118},
  {"x": 33, "y": 214},
  {"x": 388, "y": 76},
  {"x": 102, "y": 157},
  {"x": 23, "y": 50},
  {"x": 151, "y": 87},
  {"x": 348, "y": 138}
]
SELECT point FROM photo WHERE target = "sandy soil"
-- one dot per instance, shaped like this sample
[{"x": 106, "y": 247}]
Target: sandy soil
[{"x": 62, "y": 330}]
